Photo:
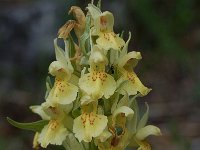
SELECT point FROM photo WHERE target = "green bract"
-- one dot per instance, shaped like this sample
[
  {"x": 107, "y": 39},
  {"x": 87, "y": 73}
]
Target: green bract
[{"x": 92, "y": 102}]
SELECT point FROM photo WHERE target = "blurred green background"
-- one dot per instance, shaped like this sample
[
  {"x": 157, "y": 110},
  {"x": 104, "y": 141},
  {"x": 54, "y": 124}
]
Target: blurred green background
[{"x": 166, "y": 32}]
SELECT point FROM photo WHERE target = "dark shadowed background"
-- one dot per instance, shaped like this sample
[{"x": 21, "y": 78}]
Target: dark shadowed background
[{"x": 166, "y": 32}]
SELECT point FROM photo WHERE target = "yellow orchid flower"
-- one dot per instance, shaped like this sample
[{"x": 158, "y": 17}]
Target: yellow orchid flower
[
  {"x": 133, "y": 84},
  {"x": 55, "y": 131},
  {"x": 62, "y": 92},
  {"x": 103, "y": 27},
  {"x": 89, "y": 124},
  {"x": 97, "y": 82}
]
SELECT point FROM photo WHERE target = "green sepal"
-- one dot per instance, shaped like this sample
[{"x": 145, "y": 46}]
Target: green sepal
[
  {"x": 76, "y": 111},
  {"x": 125, "y": 48},
  {"x": 121, "y": 84},
  {"x": 115, "y": 102},
  {"x": 48, "y": 80},
  {"x": 99, "y": 4},
  {"x": 122, "y": 34},
  {"x": 59, "y": 52},
  {"x": 132, "y": 124},
  {"x": 49, "y": 86},
  {"x": 123, "y": 101},
  {"x": 71, "y": 47},
  {"x": 144, "y": 118},
  {"x": 85, "y": 36},
  {"x": 33, "y": 126},
  {"x": 71, "y": 143}
]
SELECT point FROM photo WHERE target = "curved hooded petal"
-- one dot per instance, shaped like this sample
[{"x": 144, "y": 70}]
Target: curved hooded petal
[
  {"x": 56, "y": 68},
  {"x": 62, "y": 92},
  {"x": 39, "y": 110},
  {"x": 104, "y": 22},
  {"x": 128, "y": 112},
  {"x": 89, "y": 125},
  {"x": 146, "y": 131},
  {"x": 53, "y": 133},
  {"x": 131, "y": 59}
]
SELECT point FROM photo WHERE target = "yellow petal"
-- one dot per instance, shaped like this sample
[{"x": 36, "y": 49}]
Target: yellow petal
[
  {"x": 133, "y": 84},
  {"x": 97, "y": 84},
  {"x": 53, "y": 133},
  {"x": 89, "y": 125},
  {"x": 35, "y": 141},
  {"x": 146, "y": 131},
  {"x": 110, "y": 41},
  {"x": 62, "y": 92}
]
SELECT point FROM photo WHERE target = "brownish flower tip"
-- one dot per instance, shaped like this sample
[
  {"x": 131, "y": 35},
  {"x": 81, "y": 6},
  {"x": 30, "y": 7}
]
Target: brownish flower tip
[
  {"x": 78, "y": 14},
  {"x": 64, "y": 31}
]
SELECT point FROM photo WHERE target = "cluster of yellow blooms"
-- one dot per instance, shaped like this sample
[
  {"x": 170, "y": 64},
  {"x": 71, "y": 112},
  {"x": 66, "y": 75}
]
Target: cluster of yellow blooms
[{"x": 92, "y": 103}]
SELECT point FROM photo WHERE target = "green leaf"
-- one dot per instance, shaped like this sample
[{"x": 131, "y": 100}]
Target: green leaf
[{"x": 33, "y": 126}]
